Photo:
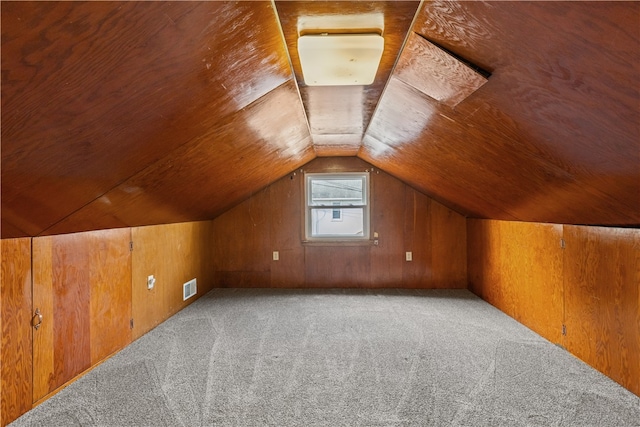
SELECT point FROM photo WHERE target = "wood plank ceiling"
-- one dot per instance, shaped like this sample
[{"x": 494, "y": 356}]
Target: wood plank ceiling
[{"x": 120, "y": 114}]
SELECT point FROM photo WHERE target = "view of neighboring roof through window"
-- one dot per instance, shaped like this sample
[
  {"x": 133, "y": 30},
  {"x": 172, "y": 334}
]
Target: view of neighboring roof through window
[{"x": 337, "y": 206}]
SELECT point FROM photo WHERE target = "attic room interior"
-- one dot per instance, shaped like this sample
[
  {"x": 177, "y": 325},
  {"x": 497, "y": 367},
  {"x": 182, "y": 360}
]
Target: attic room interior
[{"x": 181, "y": 161}]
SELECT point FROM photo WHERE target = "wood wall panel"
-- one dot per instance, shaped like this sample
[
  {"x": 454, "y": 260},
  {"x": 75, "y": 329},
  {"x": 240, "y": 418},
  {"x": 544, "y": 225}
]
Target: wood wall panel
[
  {"x": 337, "y": 267},
  {"x": 110, "y": 278},
  {"x": 448, "y": 247},
  {"x": 517, "y": 267},
  {"x": 173, "y": 254},
  {"x": 82, "y": 284},
  {"x": 243, "y": 249},
  {"x": 591, "y": 287},
  {"x": 246, "y": 236},
  {"x": 15, "y": 322},
  {"x": 418, "y": 239},
  {"x": 602, "y": 288},
  {"x": 82, "y": 287},
  {"x": 43, "y": 341},
  {"x": 388, "y": 210},
  {"x": 243, "y": 279},
  {"x": 286, "y": 194},
  {"x": 71, "y": 316}
]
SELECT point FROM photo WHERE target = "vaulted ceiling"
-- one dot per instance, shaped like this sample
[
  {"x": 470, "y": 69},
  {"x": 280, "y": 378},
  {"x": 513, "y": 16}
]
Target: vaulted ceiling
[{"x": 121, "y": 114}]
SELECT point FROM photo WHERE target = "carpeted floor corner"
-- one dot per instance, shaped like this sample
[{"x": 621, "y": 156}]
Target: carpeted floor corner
[{"x": 259, "y": 357}]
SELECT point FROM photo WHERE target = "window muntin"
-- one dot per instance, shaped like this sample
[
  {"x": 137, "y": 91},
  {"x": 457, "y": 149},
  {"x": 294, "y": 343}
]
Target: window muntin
[{"x": 337, "y": 206}]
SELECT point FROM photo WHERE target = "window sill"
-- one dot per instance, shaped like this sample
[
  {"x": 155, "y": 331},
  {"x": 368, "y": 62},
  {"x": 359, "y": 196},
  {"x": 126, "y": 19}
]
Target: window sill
[{"x": 363, "y": 242}]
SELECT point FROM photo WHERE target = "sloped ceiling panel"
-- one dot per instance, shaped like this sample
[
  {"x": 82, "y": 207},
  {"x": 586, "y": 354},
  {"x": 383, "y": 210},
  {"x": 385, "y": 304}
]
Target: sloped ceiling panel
[
  {"x": 94, "y": 93},
  {"x": 553, "y": 136},
  {"x": 130, "y": 113},
  {"x": 199, "y": 180}
]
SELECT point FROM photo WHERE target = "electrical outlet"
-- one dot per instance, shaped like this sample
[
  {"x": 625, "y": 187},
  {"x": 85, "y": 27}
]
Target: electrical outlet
[
  {"x": 276, "y": 255},
  {"x": 151, "y": 282},
  {"x": 408, "y": 256}
]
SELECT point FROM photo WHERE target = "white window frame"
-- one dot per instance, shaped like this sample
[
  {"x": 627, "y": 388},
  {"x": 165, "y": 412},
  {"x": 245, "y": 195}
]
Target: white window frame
[{"x": 365, "y": 205}]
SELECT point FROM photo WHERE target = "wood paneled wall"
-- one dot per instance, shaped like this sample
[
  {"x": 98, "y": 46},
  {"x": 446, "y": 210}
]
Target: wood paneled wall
[
  {"x": 88, "y": 286},
  {"x": 82, "y": 286},
  {"x": 173, "y": 254},
  {"x": 590, "y": 287},
  {"x": 517, "y": 267},
  {"x": 15, "y": 318},
  {"x": 602, "y": 300},
  {"x": 405, "y": 220}
]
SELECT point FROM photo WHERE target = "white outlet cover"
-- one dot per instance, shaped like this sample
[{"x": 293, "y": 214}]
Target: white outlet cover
[
  {"x": 151, "y": 282},
  {"x": 276, "y": 255},
  {"x": 408, "y": 256}
]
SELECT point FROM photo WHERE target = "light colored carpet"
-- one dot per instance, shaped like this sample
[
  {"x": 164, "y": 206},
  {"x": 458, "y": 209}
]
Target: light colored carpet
[{"x": 340, "y": 358}]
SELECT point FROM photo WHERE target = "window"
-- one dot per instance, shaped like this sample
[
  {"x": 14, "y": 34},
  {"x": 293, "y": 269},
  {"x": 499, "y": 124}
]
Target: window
[
  {"x": 337, "y": 206},
  {"x": 337, "y": 213}
]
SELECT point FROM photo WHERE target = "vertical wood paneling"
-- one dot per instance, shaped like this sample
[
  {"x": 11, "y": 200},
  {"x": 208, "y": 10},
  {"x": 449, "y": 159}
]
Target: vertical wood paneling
[
  {"x": 71, "y": 316},
  {"x": 82, "y": 286},
  {"x": 387, "y": 212},
  {"x": 110, "y": 278},
  {"x": 243, "y": 248},
  {"x": 285, "y": 198},
  {"x": 602, "y": 281},
  {"x": 448, "y": 248},
  {"x": 148, "y": 306},
  {"x": 591, "y": 287},
  {"x": 418, "y": 240},
  {"x": 43, "y": 340},
  {"x": 517, "y": 267},
  {"x": 331, "y": 266},
  {"x": 245, "y": 237},
  {"x": 15, "y": 320},
  {"x": 173, "y": 254}
]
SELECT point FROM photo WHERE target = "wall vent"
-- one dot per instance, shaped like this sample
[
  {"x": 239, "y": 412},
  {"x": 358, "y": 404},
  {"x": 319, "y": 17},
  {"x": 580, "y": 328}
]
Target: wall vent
[{"x": 189, "y": 289}]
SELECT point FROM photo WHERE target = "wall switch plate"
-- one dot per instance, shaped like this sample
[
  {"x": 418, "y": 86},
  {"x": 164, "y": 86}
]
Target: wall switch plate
[
  {"x": 408, "y": 256},
  {"x": 151, "y": 282},
  {"x": 276, "y": 255}
]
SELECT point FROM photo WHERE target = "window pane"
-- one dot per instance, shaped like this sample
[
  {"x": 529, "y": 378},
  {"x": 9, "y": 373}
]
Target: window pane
[
  {"x": 336, "y": 206},
  {"x": 351, "y": 224},
  {"x": 342, "y": 192}
]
